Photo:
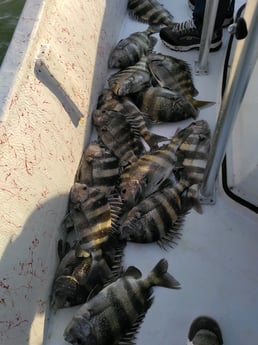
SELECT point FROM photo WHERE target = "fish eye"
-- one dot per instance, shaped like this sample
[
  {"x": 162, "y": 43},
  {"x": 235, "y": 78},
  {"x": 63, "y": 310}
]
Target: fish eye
[
  {"x": 84, "y": 187},
  {"x": 123, "y": 191}
]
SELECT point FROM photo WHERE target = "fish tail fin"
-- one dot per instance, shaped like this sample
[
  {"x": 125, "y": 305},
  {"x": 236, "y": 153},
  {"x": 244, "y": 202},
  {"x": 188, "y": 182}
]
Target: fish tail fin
[
  {"x": 197, "y": 103},
  {"x": 153, "y": 139},
  {"x": 159, "y": 276},
  {"x": 193, "y": 198}
]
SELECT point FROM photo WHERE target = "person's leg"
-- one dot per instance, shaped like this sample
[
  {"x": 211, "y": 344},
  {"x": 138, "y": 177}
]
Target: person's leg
[
  {"x": 199, "y": 10},
  {"x": 187, "y": 35}
]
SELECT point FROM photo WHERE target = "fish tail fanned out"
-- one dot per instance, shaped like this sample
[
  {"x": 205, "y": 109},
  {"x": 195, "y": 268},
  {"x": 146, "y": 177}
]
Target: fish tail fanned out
[
  {"x": 159, "y": 276},
  {"x": 197, "y": 103}
]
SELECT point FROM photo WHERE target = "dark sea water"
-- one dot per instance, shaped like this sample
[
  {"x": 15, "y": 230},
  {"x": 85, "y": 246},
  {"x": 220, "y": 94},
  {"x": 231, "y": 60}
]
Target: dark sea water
[{"x": 10, "y": 11}]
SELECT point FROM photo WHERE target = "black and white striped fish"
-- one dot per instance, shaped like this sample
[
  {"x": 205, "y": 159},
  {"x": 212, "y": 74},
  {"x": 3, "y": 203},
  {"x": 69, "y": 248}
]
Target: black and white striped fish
[
  {"x": 164, "y": 105},
  {"x": 193, "y": 156},
  {"x": 141, "y": 121},
  {"x": 95, "y": 215},
  {"x": 157, "y": 218},
  {"x": 70, "y": 282},
  {"x": 175, "y": 75},
  {"x": 172, "y": 73},
  {"x": 115, "y": 314},
  {"x": 147, "y": 174},
  {"x": 131, "y": 79},
  {"x": 129, "y": 50},
  {"x": 149, "y": 11},
  {"x": 118, "y": 135},
  {"x": 194, "y": 151},
  {"x": 98, "y": 168}
]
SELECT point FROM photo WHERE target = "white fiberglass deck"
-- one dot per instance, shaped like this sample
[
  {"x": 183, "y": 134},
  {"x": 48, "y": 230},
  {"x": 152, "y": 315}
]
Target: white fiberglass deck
[{"x": 215, "y": 260}]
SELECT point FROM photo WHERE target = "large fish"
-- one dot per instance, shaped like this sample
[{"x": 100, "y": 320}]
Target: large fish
[
  {"x": 132, "y": 79},
  {"x": 175, "y": 74},
  {"x": 164, "y": 105},
  {"x": 141, "y": 121},
  {"x": 115, "y": 314},
  {"x": 149, "y": 11},
  {"x": 172, "y": 73},
  {"x": 157, "y": 218},
  {"x": 118, "y": 135},
  {"x": 147, "y": 174},
  {"x": 98, "y": 168},
  {"x": 129, "y": 50}
]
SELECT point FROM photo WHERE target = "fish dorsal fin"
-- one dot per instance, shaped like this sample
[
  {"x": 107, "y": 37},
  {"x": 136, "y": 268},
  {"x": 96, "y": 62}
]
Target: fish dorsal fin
[
  {"x": 130, "y": 335},
  {"x": 134, "y": 272}
]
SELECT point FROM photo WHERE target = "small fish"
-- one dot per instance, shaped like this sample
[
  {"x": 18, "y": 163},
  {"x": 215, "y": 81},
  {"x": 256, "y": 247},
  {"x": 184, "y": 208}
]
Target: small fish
[
  {"x": 131, "y": 79},
  {"x": 134, "y": 116},
  {"x": 147, "y": 174},
  {"x": 129, "y": 50},
  {"x": 157, "y": 218},
  {"x": 115, "y": 314},
  {"x": 98, "y": 168},
  {"x": 149, "y": 11},
  {"x": 172, "y": 73},
  {"x": 164, "y": 105},
  {"x": 118, "y": 135}
]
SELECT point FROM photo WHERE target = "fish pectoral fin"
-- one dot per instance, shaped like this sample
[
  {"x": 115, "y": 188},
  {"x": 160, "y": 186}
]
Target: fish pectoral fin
[{"x": 132, "y": 271}]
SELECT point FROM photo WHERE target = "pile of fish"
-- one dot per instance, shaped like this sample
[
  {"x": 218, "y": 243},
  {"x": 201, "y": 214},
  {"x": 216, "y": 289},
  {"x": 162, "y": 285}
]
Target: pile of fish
[{"x": 131, "y": 185}]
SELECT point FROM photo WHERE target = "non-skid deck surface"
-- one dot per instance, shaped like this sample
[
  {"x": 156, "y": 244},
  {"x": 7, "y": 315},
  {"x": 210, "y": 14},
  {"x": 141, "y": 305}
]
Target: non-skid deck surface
[{"x": 215, "y": 260}]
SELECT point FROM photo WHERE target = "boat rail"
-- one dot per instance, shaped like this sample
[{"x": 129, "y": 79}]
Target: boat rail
[{"x": 243, "y": 63}]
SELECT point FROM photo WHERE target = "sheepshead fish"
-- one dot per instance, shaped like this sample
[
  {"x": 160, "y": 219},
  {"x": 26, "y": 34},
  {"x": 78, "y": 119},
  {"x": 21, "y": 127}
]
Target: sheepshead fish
[
  {"x": 115, "y": 314},
  {"x": 141, "y": 121},
  {"x": 118, "y": 135},
  {"x": 147, "y": 174},
  {"x": 131, "y": 79},
  {"x": 95, "y": 215},
  {"x": 193, "y": 155},
  {"x": 172, "y": 73},
  {"x": 78, "y": 276},
  {"x": 149, "y": 11},
  {"x": 69, "y": 286},
  {"x": 175, "y": 74},
  {"x": 194, "y": 151},
  {"x": 164, "y": 105},
  {"x": 98, "y": 168},
  {"x": 129, "y": 50},
  {"x": 157, "y": 218}
]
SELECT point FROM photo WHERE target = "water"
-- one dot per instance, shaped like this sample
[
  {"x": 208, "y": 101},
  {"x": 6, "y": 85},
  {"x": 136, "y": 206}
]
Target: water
[{"x": 10, "y": 11}]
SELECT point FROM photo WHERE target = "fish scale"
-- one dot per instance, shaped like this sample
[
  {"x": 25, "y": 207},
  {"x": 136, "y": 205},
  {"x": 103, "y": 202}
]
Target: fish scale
[
  {"x": 132, "y": 79},
  {"x": 157, "y": 218},
  {"x": 141, "y": 121},
  {"x": 117, "y": 134},
  {"x": 98, "y": 168},
  {"x": 149, "y": 11},
  {"x": 146, "y": 175}
]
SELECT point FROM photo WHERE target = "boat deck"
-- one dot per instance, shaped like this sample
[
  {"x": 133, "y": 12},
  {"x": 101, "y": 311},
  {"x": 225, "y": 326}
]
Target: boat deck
[{"x": 216, "y": 259}]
